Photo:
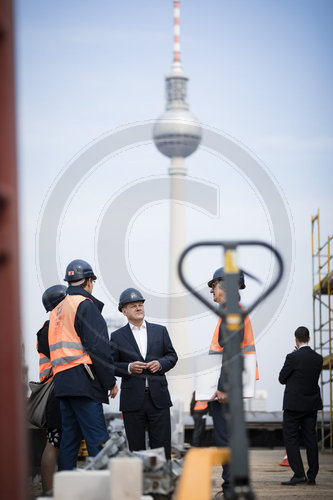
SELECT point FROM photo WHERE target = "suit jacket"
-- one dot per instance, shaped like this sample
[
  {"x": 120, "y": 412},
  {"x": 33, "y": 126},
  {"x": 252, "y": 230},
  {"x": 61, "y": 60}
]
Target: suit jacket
[
  {"x": 300, "y": 373},
  {"x": 125, "y": 350}
]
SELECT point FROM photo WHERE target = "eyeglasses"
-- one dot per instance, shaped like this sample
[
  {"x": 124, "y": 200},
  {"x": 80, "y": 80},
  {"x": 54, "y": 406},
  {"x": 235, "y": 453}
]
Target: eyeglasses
[{"x": 217, "y": 282}]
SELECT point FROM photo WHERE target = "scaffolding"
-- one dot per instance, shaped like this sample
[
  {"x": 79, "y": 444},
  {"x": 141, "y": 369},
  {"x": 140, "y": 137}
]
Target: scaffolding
[{"x": 322, "y": 282}]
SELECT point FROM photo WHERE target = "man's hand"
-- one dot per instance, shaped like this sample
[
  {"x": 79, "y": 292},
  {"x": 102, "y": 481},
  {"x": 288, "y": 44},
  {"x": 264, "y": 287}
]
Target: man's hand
[
  {"x": 113, "y": 392},
  {"x": 137, "y": 367},
  {"x": 154, "y": 366},
  {"x": 222, "y": 397}
]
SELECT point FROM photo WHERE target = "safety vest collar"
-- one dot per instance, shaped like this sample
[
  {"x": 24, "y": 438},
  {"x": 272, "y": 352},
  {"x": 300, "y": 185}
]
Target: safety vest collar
[{"x": 78, "y": 290}]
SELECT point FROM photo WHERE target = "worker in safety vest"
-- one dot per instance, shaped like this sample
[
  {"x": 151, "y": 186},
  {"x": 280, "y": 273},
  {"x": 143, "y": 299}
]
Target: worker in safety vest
[
  {"x": 51, "y": 298},
  {"x": 220, "y": 398},
  {"x": 82, "y": 365},
  {"x": 198, "y": 411}
]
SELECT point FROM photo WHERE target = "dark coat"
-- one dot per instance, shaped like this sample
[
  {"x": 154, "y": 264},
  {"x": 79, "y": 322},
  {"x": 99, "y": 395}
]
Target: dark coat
[
  {"x": 92, "y": 330},
  {"x": 300, "y": 373},
  {"x": 125, "y": 350},
  {"x": 43, "y": 340}
]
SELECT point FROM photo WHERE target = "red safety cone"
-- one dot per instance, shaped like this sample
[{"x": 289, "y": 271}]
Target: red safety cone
[{"x": 285, "y": 461}]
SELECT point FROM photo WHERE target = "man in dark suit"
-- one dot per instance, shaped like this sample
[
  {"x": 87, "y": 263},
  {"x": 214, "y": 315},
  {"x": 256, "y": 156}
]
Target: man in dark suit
[
  {"x": 302, "y": 400},
  {"x": 143, "y": 353}
]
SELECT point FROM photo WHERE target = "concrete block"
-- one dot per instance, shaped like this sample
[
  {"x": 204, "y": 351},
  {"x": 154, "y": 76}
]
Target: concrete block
[
  {"x": 126, "y": 478},
  {"x": 82, "y": 485}
]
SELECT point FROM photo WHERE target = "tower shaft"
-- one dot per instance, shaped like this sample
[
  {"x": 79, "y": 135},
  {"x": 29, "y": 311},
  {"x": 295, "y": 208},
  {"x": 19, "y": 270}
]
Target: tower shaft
[
  {"x": 177, "y": 243},
  {"x": 177, "y": 134},
  {"x": 179, "y": 331}
]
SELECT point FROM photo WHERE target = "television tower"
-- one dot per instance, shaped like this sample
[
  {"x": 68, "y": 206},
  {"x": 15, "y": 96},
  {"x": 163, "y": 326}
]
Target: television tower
[{"x": 177, "y": 134}]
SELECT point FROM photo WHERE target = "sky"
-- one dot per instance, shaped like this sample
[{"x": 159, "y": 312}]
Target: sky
[{"x": 260, "y": 77}]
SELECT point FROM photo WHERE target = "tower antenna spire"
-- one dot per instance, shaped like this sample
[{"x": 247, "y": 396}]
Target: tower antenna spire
[{"x": 176, "y": 66}]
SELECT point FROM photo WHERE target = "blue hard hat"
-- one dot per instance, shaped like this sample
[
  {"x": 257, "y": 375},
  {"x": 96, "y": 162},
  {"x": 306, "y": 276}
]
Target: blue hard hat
[
  {"x": 220, "y": 275},
  {"x": 129, "y": 295},
  {"x": 53, "y": 296},
  {"x": 77, "y": 270}
]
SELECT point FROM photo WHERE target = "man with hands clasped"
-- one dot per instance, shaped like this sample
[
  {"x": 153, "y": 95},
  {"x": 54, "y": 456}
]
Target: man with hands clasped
[{"x": 142, "y": 354}]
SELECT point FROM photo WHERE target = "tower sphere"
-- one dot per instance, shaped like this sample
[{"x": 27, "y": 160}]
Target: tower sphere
[{"x": 177, "y": 133}]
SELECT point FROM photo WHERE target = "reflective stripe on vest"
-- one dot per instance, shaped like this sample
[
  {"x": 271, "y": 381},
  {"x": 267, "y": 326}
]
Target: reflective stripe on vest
[
  {"x": 45, "y": 367},
  {"x": 66, "y": 349},
  {"x": 247, "y": 344},
  {"x": 200, "y": 406}
]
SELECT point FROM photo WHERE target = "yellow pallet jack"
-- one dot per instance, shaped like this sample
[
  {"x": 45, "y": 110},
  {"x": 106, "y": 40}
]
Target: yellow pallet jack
[{"x": 195, "y": 482}]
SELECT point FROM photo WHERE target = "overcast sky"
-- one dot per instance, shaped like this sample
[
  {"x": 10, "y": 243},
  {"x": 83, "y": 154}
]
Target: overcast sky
[{"x": 260, "y": 74}]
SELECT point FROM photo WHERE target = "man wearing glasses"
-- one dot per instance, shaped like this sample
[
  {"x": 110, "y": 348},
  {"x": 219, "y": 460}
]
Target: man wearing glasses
[
  {"x": 82, "y": 364},
  {"x": 219, "y": 399},
  {"x": 142, "y": 354}
]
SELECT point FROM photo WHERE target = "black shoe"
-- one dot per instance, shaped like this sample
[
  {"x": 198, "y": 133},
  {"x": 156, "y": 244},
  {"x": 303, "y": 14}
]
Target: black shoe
[
  {"x": 311, "y": 482},
  {"x": 223, "y": 493},
  {"x": 294, "y": 480}
]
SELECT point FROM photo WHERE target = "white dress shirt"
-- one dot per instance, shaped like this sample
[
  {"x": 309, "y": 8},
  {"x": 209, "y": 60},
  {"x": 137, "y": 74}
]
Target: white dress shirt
[{"x": 140, "y": 336}]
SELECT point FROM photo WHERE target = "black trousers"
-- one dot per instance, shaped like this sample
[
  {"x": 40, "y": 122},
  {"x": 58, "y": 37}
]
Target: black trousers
[
  {"x": 199, "y": 428},
  {"x": 155, "y": 420},
  {"x": 306, "y": 421},
  {"x": 218, "y": 412}
]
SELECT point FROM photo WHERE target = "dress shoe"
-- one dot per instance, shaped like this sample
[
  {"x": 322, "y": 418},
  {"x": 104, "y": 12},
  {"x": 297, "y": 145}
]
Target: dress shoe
[
  {"x": 311, "y": 482},
  {"x": 224, "y": 493},
  {"x": 294, "y": 480}
]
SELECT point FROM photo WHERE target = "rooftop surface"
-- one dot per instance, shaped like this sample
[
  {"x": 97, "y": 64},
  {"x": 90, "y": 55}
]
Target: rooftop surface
[{"x": 266, "y": 477}]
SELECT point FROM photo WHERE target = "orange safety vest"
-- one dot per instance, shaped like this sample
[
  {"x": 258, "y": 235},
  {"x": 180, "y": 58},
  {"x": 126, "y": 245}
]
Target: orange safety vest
[
  {"x": 247, "y": 344},
  {"x": 200, "y": 406},
  {"x": 66, "y": 349},
  {"x": 45, "y": 367}
]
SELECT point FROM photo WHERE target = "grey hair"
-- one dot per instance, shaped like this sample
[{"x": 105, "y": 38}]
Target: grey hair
[{"x": 77, "y": 283}]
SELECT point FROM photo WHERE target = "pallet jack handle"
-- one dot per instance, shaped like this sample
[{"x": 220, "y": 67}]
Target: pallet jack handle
[
  {"x": 230, "y": 246},
  {"x": 232, "y": 324}
]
